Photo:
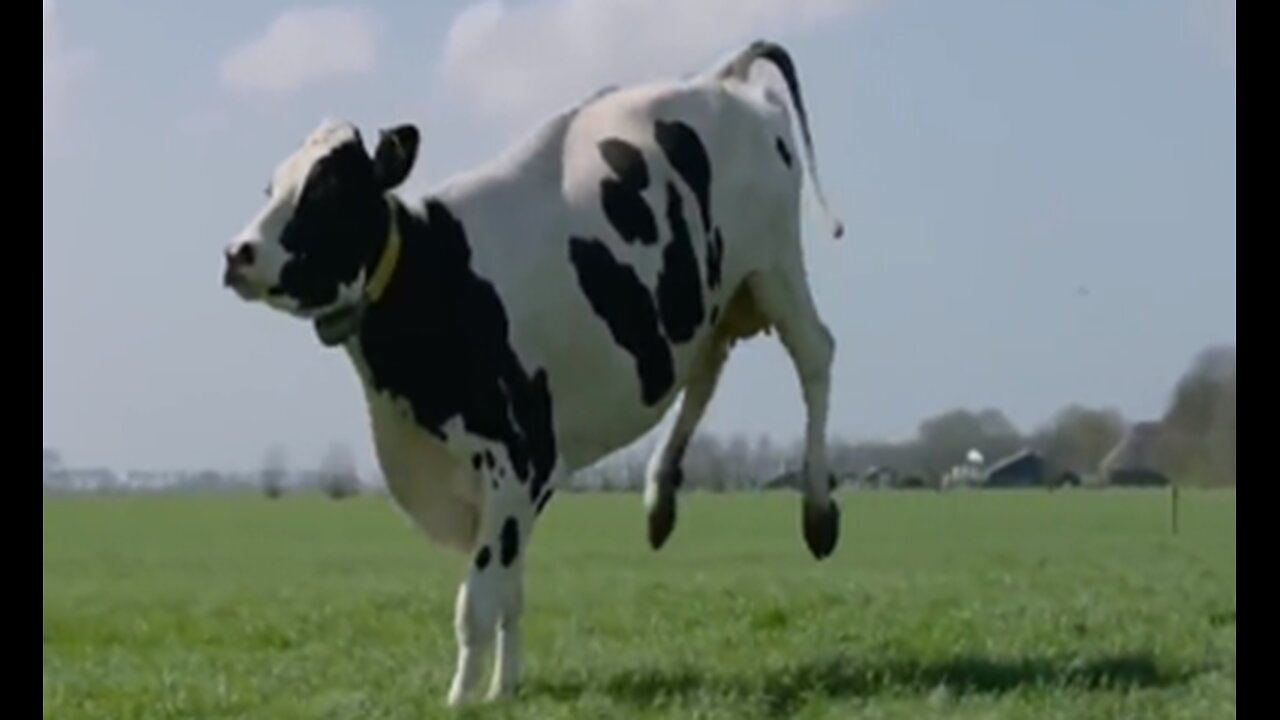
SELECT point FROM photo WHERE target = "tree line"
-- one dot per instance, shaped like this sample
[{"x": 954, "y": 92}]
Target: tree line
[{"x": 1196, "y": 445}]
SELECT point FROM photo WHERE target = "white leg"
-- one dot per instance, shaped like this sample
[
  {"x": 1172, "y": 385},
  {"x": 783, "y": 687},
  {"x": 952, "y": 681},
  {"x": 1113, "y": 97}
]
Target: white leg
[
  {"x": 474, "y": 614},
  {"x": 783, "y": 296},
  {"x": 491, "y": 599},
  {"x": 663, "y": 476},
  {"x": 506, "y": 668}
]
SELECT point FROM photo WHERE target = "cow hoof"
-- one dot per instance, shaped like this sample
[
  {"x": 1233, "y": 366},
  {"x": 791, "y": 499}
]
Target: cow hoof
[
  {"x": 455, "y": 699},
  {"x": 821, "y": 528},
  {"x": 460, "y": 694},
  {"x": 662, "y": 519},
  {"x": 500, "y": 693}
]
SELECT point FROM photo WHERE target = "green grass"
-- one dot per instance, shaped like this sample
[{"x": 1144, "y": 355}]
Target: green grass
[{"x": 1075, "y": 604}]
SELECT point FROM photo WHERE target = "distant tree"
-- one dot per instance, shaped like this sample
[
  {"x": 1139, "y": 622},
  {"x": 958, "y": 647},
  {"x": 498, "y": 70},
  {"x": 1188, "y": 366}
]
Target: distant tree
[
  {"x": 338, "y": 475},
  {"x": 879, "y": 454},
  {"x": 52, "y": 460},
  {"x": 1197, "y": 438},
  {"x": 945, "y": 439},
  {"x": 632, "y": 480},
  {"x": 205, "y": 480},
  {"x": 704, "y": 463},
  {"x": 737, "y": 463},
  {"x": 766, "y": 460},
  {"x": 54, "y": 477},
  {"x": 844, "y": 458},
  {"x": 1078, "y": 438},
  {"x": 994, "y": 424},
  {"x": 274, "y": 472},
  {"x": 1222, "y": 433}
]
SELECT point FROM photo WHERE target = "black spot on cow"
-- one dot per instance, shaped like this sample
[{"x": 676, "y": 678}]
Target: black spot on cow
[
  {"x": 783, "y": 152},
  {"x": 447, "y": 364},
  {"x": 542, "y": 446},
  {"x": 625, "y": 305},
  {"x": 626, "y": 162},
  {"x": 509, "y": 542},
  {"x": 483, "y": 557},
  {"x": 476, "y": 461},
  {"x": 679, "y": 286},
  {"x": 620, "y": 195},
  {"x": 686, "y": 153},
  {"x": 715, "y": 259},
  {"x": 330, "y": 235},
  {"x": 542, "y": 501},
  {"x": 488, "y": 459}
]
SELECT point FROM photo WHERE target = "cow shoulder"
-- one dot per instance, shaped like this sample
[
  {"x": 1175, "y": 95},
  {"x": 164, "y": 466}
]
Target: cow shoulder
[{"x": 439, "y": 343}]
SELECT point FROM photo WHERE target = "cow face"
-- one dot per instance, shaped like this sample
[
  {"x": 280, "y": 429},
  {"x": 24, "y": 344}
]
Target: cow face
[{"x": 312, "y": 246}]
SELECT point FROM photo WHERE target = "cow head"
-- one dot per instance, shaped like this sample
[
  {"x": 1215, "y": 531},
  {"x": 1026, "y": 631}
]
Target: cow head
[{"x": 313, "y": 247}]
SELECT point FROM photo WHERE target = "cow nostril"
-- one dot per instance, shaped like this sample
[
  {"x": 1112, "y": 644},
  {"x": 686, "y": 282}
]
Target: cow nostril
[{"x": 240, "y": 254}]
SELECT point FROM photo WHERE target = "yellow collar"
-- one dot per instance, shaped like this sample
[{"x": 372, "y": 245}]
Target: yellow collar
[{"x": 386, "y": 267}]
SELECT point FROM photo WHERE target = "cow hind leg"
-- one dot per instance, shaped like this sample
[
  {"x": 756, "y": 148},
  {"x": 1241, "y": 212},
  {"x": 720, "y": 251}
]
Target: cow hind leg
[
  {"x": 783, "y": 297},
  {"x": 664, "y": 476}
]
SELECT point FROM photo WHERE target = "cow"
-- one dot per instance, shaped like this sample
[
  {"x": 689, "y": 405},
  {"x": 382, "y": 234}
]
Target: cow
[{"x": 538, "y": 312}]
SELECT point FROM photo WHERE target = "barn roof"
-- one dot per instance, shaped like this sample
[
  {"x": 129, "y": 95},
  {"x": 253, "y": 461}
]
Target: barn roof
[
  {"x": 1135, "y": 451},
  {"x": 1011, "y": 460}
]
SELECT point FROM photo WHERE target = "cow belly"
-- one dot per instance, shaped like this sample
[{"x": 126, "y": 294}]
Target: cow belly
[
  {"x": 441, "y": 495},
  {"x": 598, "y": 405}
]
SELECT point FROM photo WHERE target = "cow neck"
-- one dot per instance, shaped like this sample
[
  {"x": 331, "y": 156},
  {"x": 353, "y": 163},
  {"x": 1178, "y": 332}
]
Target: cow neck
[{"x": 341, "y": 324}]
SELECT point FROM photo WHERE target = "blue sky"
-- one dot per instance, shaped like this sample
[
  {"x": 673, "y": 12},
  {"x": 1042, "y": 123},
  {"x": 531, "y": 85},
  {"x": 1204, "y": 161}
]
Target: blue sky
[{"x": 1040, "y": 197}]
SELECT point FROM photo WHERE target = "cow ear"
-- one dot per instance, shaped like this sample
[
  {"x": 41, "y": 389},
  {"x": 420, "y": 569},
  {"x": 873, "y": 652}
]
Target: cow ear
[{"x": 393, "y": 159}]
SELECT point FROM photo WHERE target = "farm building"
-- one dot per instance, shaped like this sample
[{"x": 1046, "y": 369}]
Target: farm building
[
  {"x": 1133, "y": 461},
  {"x": 1025, "y": 468},
  {"x": 966, "y": 474},
  {"x": 880, "y": 477},
  {"x": 792, "y": 480}
]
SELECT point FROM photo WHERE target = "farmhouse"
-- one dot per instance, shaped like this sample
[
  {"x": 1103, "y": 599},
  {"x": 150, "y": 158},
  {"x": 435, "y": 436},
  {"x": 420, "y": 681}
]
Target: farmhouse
[
  {"x": 965, "y": 474},
  {"x": 1025, "y": 468}
]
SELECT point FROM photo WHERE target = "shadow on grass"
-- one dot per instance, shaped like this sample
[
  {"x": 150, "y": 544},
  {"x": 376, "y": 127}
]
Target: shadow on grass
[{"x": 782, "y": 689}]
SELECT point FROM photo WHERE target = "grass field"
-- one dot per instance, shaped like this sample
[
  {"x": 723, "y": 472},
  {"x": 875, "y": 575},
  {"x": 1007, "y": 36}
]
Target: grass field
[{"x": 999, "y": 604}]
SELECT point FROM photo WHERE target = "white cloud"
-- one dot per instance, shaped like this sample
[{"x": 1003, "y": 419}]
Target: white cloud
[
  {"x": 512, "y": 62},
  {"x": 302, "y": 47},
  {"x": 62, "y": 64}
]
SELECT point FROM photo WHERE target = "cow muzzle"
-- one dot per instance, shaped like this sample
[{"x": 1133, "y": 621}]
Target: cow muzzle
[{"x": 238, "y": 259}]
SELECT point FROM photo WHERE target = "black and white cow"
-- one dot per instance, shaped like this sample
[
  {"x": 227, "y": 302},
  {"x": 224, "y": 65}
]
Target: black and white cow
[{"x": 537, "y": 313}]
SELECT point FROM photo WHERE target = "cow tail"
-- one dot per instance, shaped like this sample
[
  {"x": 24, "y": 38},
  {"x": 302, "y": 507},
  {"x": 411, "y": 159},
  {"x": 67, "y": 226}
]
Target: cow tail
[{"x": 739, "y": 68}]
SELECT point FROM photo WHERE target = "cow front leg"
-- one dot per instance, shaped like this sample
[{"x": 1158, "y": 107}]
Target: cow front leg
[
  {"x": 514, "y": 535},
  {"x": 491, "y": 599},
  {"x": 508, "y": 568},
  {"x": 474, "y": 618}
]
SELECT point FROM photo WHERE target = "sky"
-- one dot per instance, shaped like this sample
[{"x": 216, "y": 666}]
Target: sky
[{"x": 1039, "y": 198}]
